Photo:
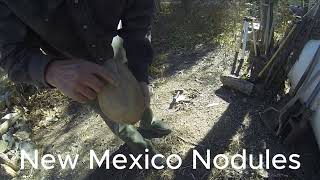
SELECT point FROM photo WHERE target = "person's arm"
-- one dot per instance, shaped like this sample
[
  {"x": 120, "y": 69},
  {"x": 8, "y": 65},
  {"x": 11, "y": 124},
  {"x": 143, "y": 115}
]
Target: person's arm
[
  {"x": 78, "y": 79},
  {"x": 22, "y": 63},
  {"x": 136, "y": 32}
]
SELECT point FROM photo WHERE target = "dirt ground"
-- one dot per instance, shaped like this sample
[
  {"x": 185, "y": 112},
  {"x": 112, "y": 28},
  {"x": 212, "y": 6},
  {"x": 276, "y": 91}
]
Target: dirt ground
[{"x": 213, "y": 117}]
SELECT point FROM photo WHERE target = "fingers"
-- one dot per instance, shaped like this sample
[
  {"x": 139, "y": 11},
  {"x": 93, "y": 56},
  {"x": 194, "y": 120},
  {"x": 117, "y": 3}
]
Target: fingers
[
  {"x": 80, "y": 80},
  {"x": 79, "y": 98},
  {"x": 87, "y": 92},
  {"x": 94, "y": 83},
  {"x": 107, "y": 76}
]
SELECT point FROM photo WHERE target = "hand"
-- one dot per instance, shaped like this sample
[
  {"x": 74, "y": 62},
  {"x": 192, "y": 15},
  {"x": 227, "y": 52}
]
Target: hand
[
  {"x": 145, "y": 90},
  {"x": 78, "y": 79}
]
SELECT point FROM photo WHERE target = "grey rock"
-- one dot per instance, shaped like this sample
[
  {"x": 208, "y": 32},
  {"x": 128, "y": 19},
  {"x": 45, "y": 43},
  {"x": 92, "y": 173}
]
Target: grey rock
[
  {"x": 29, "y": 148},
  {"x": 3, "y": 146},
  {"x": 9, "y": 120},
  {"x": 14, "y": 115},
  {"x": 8, "y": 137},
  {"x": 22, "y": 135}
]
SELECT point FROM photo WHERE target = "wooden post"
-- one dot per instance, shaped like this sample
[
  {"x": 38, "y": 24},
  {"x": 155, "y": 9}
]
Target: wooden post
[
  {"x": 266, "y": 16},
  {"x": 263, "y": 18},
  {"x": 157, "y": 8},
  {"x": 187, "y": 6}
]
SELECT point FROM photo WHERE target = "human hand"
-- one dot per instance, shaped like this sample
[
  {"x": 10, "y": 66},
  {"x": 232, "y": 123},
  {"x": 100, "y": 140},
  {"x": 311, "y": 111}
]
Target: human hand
[{"x": 78, "y": 79}]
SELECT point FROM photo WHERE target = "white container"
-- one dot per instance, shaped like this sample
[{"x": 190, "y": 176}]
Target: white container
[{"x": 295, "y": 75}]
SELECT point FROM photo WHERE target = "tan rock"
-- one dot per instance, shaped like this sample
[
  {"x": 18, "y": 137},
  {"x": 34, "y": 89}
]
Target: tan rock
[
  {"x": 7, "y": 171},
  {"x": 3, "y": 146},
  {"x": 5, "y": 160},
  {"x": 124, "y": 103}
]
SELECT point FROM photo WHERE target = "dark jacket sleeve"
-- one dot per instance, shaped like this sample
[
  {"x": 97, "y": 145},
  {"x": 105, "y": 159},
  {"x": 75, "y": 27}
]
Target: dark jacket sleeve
[
  {"x": 22, "y": 62},
  {"x": 136, "y": 32}
]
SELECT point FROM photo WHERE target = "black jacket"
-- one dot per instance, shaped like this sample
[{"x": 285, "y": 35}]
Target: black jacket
[{"x": 33, "y": 33}]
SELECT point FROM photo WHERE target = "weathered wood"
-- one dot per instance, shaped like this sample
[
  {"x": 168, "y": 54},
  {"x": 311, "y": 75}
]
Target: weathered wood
[
  {"x": 268, "y": 30},
  {"x": 187, "y": 4},
  {"x": 280, "y": 56},
  {"x": 275, "y": 72},
  {"x": 238, "y": 84},
  {"x": 282, "y": 46}
]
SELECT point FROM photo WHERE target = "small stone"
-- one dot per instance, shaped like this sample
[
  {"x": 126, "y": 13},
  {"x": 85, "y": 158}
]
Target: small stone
[
  {"x": 3, "y": 146},
  {"x": 8, "y": 121},
  {"x": 43, "y": 124},
  {"x": 11, "y": 116},
  {"x": 8, "y": 138},
  {"x": 51, "y": 119},
  {"x": 25, "y": 109},
  {"x": 11, "y": 153},
  {"x": 213, "y": 104},
  {"x": 182, "y": 98},
  {"x": 22, "y": 135},
  {"x": 47, "y": 121}
]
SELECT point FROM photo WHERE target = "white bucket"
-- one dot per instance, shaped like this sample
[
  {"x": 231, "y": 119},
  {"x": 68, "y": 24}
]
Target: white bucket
[{"x": 295, "y": 75}]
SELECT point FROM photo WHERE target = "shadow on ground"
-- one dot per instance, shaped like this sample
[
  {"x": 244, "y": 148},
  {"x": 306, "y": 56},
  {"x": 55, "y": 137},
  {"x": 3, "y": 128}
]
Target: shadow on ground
[
  {"x": 195, "y": 38},
  {"x": 256, "y": 139},
  {"x": 219, "y": 137},
  {"x": 181, "y": 39}
]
